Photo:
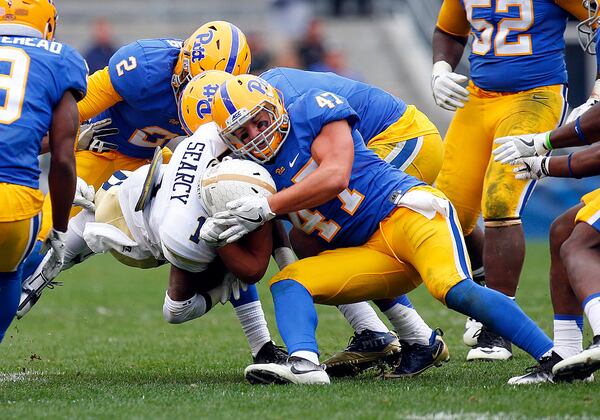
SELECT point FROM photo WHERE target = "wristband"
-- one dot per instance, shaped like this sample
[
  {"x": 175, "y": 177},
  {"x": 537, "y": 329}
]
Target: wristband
[
  {"x": 547, "y": 142},
  {"x": 579, "y": 131},
  {"x": 571, "y": 174},
  {"x": 545, "y": 166}
]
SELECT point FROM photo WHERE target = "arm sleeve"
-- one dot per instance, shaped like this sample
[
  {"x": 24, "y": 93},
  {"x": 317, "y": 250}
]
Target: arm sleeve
[
  {"x": 101, "y": 95},
  {"x": 452, "y": 19},
  {"x": 321, "y": 107},
  {"x": 574, "y": 7}
]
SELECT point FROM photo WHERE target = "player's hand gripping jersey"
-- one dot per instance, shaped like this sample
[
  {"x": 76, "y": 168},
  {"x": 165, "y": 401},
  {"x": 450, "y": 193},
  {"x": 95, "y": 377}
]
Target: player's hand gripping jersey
[
  {"x": 517, "y": 45},
  {"x": 168, "y": 228},
  {"x": 374, "y": 188},
  {"x": 137, "y": 85}
]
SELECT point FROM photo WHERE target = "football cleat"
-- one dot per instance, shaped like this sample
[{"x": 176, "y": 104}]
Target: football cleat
[
  {"x": 416, "y": 358},
  {"x": 581, "y": 365},
  {"x": 295, "y": 370},
  {"x": 43, "y": 277},
  {"x": 472, "y": 331},
  {"x": 490, "y": 346},
  {"x": 365, "y": 350},
  {"x": 542, "y": 373},
  {"x": 270, "y": 353}
]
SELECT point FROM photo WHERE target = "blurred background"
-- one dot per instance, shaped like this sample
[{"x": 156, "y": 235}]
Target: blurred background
[{"x": 383, "y": 42}]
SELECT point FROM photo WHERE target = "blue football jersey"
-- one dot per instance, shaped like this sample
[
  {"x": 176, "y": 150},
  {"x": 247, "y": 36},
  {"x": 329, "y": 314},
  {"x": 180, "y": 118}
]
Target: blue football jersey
[
  {"x": 34, "y": 76},
  {"x": 353, "y": 217},
  {"x": 376, "y": 108},
  {"x": 147, "y": 117},
  {"x": 517, "y": 47}
]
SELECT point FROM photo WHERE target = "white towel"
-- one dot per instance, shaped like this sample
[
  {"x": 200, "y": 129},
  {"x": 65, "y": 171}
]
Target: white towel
[{"x": 425, "y": 203}]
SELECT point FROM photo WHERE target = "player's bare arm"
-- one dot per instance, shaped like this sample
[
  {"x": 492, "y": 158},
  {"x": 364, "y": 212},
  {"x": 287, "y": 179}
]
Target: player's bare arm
[
  {"x": 333, "y": 150},
  {"x": 62, "y": 177}
]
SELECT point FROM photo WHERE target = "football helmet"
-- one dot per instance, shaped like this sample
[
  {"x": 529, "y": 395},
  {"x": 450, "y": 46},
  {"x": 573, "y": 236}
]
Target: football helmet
[
  {"x": 586, "y": 29},
  {"x": 196, "y": 99},
  {"x": 237, "y": 103},
  {"x": 28, "y": 18},
  {"x": 216, "y": 45}
]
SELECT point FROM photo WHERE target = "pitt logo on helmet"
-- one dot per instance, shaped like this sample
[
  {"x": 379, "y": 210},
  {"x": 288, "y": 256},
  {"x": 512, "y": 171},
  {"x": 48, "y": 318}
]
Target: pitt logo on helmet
[
  {"x": 251, "y": 117},
  {"x": 34, "y": 18},
  {"x": 216, "y": 45},
  {"x": 196, "y": 99}
]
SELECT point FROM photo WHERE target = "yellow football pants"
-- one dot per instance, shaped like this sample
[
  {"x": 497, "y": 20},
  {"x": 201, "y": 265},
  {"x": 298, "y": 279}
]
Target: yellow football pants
[
  {"x": 469, "y": 176},
  {"x": 383, "y": 267},
  {"x": 95, "y": 168},
  {"x": 590, "y": 213},
  {"x": 412, "y": 144},
  {"x": 20, "y": 218}
]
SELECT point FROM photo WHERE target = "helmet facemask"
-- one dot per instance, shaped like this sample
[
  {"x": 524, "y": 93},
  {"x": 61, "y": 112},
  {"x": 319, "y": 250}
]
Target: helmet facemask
[
  {"x": 586, "y": 29},
  {"x": 264, "y": 146}
]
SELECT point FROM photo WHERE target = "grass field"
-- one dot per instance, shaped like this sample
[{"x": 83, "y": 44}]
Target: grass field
[{"x": 98, "y": 347}]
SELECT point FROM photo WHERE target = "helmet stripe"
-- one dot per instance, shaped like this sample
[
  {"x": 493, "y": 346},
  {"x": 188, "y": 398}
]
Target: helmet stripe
[
  {"x": 235, "y": 45},
  {"x": 227, "y": 100}
]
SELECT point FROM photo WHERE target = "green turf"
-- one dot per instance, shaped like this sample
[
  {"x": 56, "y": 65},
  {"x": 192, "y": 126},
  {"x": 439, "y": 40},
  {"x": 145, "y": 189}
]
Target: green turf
[{"x": 98, "y": 347}]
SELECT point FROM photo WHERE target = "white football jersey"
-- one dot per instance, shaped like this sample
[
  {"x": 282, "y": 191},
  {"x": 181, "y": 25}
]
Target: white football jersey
[{"x": 170, "y": 226}]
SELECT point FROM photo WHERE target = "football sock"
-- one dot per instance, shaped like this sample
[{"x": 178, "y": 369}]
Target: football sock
[
  {"x": 10, "y": 293},
  {"x": 591, "y": 307},
  {"x": 246, "y": 296},
  {"x": 33, "y": 260},
  {"x": 385, "y": 304},
  {"x": 362, "y": 317},
  {"x": 308, "y": 355},
  {"x": 568, "y": 335},
  {"x": 254, "y": 325},
  {"x": 76, "y": 249},
  {"x": 296, "y": 316},
  {"x": 500, "y": 314},
  {"x": 177, "y": 312},
  {"x": 407, "y": 322}
]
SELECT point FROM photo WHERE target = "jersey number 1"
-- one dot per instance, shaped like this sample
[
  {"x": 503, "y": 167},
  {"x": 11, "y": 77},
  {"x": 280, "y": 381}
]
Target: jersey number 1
[
  {"x": 483, "y": 43},
  {"x": 13, "y": 83}
]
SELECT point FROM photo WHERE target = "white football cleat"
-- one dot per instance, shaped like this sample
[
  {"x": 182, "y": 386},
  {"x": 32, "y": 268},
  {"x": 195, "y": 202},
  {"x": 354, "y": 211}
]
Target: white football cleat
[
  {"x": 542, "y": 373},
  {"x": 581, "y": 365},
  {"x": 490, "y": 347},
  {"x": 472, "y": 331},
  {"x": 295, "y": 370},
  {"x": 42, "y": 277}
]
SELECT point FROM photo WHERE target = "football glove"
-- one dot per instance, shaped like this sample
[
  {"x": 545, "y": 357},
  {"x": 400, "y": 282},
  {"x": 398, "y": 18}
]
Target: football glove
[
  {"x": 242, "y": 217},
  {"x": 210, "y": 231},
  {"x": 581, "y": 109},
  {"x": 535, "y": 167},
  {"x": 57, "y": 243},
  {"x": 446, "y": 88},
  {"x": 525, "y": 145},
  {"x": 84, "y": 195},
  {"x": 231, "y": 288},
  {"x": 91, "y": 136}
]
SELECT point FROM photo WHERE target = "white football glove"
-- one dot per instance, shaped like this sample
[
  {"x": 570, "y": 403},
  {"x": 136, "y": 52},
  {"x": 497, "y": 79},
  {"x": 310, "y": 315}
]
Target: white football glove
[
  {"x": 242, "y": 217},
  {"x": 84, "y": 195},
  {"x": 446, "y": 88},
  {"x": 231, "y": 288},
  {"x": 581, "y": 109},
  {"x": 210, "y": 231},
  {"x": 57, "y": 242},
  {"x": 91, "y": 136},
  {"x": 535, "y": 167},
  {"x": 525, "y": 145}
]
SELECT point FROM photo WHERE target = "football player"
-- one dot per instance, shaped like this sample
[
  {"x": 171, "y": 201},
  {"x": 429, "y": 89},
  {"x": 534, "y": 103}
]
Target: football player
[
  {"x": 518, "y": 85},
  {"x": 386, "y": 231},
  {"x": 42, "y": 80},
  {"x": 132, "y": 103},
  {"x": 405, "y": 138},
  {"x": 153, "y": 216}
]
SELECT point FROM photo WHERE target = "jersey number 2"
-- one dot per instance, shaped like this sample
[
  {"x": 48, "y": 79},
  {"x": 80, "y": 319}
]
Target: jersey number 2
[
  {"x": 13, "y": 83},
  {"x": 483, "y": 43}
]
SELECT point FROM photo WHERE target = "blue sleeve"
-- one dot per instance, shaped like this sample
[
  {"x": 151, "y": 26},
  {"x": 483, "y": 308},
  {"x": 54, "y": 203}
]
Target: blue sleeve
[
  {"x": 128, "y": 71},
  {"x": 74, "y": 73},
  {"x": 597, "y": 55},
  {"x": 317, "y": 108}
]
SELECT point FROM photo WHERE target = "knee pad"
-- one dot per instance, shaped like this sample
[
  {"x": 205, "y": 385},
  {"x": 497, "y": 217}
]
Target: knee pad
[{"x": 177, "y": 312}]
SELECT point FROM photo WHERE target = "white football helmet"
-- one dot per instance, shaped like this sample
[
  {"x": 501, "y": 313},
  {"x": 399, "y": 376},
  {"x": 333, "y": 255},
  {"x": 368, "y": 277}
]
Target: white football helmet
[
  {"x": 586, "y": 29},
  {"x": 232, "y": 179}
]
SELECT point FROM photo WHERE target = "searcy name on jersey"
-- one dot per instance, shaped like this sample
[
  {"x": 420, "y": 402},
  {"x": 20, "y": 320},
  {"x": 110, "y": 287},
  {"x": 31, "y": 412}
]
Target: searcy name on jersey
[{"x": 186, "y": 173}]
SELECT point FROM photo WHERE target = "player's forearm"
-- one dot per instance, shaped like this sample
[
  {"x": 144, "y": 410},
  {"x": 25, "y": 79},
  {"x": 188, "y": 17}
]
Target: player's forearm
[
  {"x": 588, "y": 128},
  {"x": 582, "y": 164},
  {"x": 62, "y": 180},
  {"x": 248, "y": 259},
  {"x": 322, "y": 185},
  {"x": 448, "y": 48}
]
